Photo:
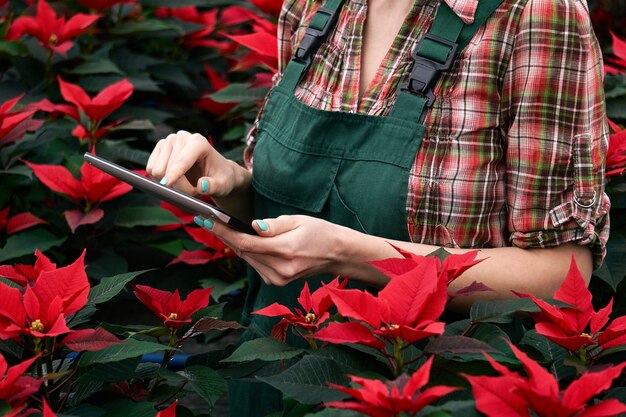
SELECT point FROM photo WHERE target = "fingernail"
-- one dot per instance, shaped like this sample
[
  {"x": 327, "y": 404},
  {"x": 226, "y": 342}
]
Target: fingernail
[
  {"x": 164, "y": 181},
  {"x": 205, "y": 186},
  {"x": 208, "y": 224},
  {"x": 199, "y": 221},
  {"x": 262, "y": 225}
]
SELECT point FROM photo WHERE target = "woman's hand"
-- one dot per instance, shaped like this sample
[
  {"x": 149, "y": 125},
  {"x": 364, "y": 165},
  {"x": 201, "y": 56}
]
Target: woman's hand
[
  {"x": 189, "y": 163},
  {"x": 287, "y": 248}
]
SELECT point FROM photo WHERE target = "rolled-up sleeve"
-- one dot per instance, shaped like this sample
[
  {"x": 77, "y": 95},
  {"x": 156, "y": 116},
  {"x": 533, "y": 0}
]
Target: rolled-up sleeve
[{"x": 557, "y": 138}]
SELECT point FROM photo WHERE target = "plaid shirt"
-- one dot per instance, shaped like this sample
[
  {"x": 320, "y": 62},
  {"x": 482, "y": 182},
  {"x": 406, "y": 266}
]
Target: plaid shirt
[{"x": 516, "y": 140}]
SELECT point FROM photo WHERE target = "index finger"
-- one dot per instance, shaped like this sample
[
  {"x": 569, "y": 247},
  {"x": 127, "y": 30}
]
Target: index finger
[{"x": 192, "y": 152}]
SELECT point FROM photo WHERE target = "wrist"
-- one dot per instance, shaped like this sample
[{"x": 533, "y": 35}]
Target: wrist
[{"x": 351, "y": 251}]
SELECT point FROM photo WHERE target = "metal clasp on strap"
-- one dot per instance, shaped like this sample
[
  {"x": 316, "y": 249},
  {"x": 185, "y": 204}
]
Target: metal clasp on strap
[
  {"x": 426, "y": 71},
  {"x": 313, "y": 38}
]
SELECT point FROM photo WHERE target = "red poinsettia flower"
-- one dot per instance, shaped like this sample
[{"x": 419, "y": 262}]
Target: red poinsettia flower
[
  {"x": 376, "y": 398},
  {"x": 14, "y": 124},
  {"x": 15, "y": 387},
  {"x": 17, "y": 222},
  {"x": 616, "y": 155},
  {"x": 406, "y": 310},
  {"x": 579, "y": 326},
  {"x": 618, "y": 64},
  {"x": 271, "y": 7},
  {"x": 263, "y": 45},
  {"x": 538, "y": 393},
  {"x": 218, "y": 249},
  {"x": 103, "y": 104},
  {"x": 54, "y": 33},
  {"x": 204, "y": 37},
  {"x": 24, "y": 274},
  {"x": 40, "y": 309},
  {"x": 169, "y": 307},
  {"x": 93, "y": 188},
  {"x": 313, "y": 313}
]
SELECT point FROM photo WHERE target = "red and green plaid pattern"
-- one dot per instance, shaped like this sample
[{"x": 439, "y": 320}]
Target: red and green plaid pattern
[{"x": 515, "y": 145}]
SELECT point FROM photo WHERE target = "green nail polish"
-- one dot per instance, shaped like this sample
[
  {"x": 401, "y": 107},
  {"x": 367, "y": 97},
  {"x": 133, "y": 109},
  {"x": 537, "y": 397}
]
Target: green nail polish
[
  {"x": 208, "y": 224},
  {"x": 164, "y": 181},
  {"x": 199, "y": 221},
  {"x": 262, "y": 225},
  {"x": 205, "y": 186}
]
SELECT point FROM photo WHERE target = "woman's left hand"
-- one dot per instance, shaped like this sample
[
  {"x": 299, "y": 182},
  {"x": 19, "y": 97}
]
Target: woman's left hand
[{"x": 287, "y": 247}]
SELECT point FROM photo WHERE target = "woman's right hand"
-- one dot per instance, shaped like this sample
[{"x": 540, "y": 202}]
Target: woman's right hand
[{"x": 187, "y": 162}]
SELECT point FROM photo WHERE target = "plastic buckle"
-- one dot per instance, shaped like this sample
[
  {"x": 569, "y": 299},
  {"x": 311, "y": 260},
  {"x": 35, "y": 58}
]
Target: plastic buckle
[
  {"x": 426, "y": 71},
  {"x": 313, "y": 38}
]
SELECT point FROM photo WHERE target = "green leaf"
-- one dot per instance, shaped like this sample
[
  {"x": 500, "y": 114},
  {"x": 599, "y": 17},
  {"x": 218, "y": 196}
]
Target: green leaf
[
  {"x": 110, "y": 287},
  {"x": 82, "y": 316},
  {"x": 134, "y": 125},
  {"x": 97, "y": 66},
  {"x": 117, "y": 150},
  {"x": 457, "y": 345},
  {"x": 144, "y": 216},
  {"x": 129, "y": 349},
  {"x": 207, "y": 383},
  {"x": 128, "y": 407},
  {"x": 26, "y": 242},
  {"x": 238, "y": 93},
  {"x": 13, "y": 48},
  {"x": 9, "y": 283},
  {"x": 265, "y": 349},
  {"x": 172, "y": 73},
  {"x": 440, "y": 253},
  {"x": 615, "y": 261},
  {"x": 9, "y": 346},
  {"x": 307, "y": 381},
  {"x": 86, "y": 387},
  {"x": 208, "y": 324},
  {"x": 115, "y": 371},
  {"x": 85, "y": 410},
  {"x": 615, "y": 108},
  {"x": 107, "y": 265},
  {"x": 551, "y": 352},
  {"x": 143, "y": 26},
  {"x": 221, "y": 287},
  {"x": 500, "y": 311}
]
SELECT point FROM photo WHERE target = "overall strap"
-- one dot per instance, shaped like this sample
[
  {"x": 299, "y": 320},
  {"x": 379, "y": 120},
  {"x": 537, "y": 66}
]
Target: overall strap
[
  {"x": 322, "y": 22},
  {"x": 434, "y": 54}
]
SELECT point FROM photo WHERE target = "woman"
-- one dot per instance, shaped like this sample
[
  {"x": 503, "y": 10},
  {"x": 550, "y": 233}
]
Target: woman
[{"x": 509, "y": 159}]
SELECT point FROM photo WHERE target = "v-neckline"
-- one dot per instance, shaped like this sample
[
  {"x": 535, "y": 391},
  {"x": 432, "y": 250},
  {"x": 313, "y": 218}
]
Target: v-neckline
[{"x": 362, "y": 98}]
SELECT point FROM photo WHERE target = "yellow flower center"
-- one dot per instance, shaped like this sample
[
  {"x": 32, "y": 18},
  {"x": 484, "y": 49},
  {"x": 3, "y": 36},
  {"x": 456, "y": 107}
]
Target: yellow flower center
[
  {"x": 37, "y": 326},
  {"x": 172, "y": 316},
  {"x": 393, "y": 327},
  {"x": 310, "y": 318},
  {"x": 53, "y": 39}
]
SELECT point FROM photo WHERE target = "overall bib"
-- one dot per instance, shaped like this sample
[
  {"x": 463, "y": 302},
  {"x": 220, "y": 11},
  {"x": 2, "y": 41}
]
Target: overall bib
[{"x": 350, "y": 169}]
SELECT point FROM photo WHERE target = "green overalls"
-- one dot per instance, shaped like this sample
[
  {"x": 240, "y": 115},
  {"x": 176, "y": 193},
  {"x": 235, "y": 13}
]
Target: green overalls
[{"x": 350, "y": 169}]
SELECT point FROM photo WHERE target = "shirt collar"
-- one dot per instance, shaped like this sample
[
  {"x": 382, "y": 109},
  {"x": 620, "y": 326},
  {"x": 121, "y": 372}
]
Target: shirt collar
[{"x": 465, "y": 9}]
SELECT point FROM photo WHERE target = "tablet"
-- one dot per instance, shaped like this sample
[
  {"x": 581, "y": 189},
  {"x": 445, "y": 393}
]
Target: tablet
[{"x": 172, "y": 196}]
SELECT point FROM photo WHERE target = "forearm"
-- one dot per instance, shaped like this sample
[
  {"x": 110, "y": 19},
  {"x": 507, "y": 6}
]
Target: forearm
[{"x": 538, "y": 271}]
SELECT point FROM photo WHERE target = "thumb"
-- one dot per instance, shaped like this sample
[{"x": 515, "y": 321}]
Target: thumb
[
  {"x": 274, "y": 227},
  {"x": 212, "y": 186}
]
